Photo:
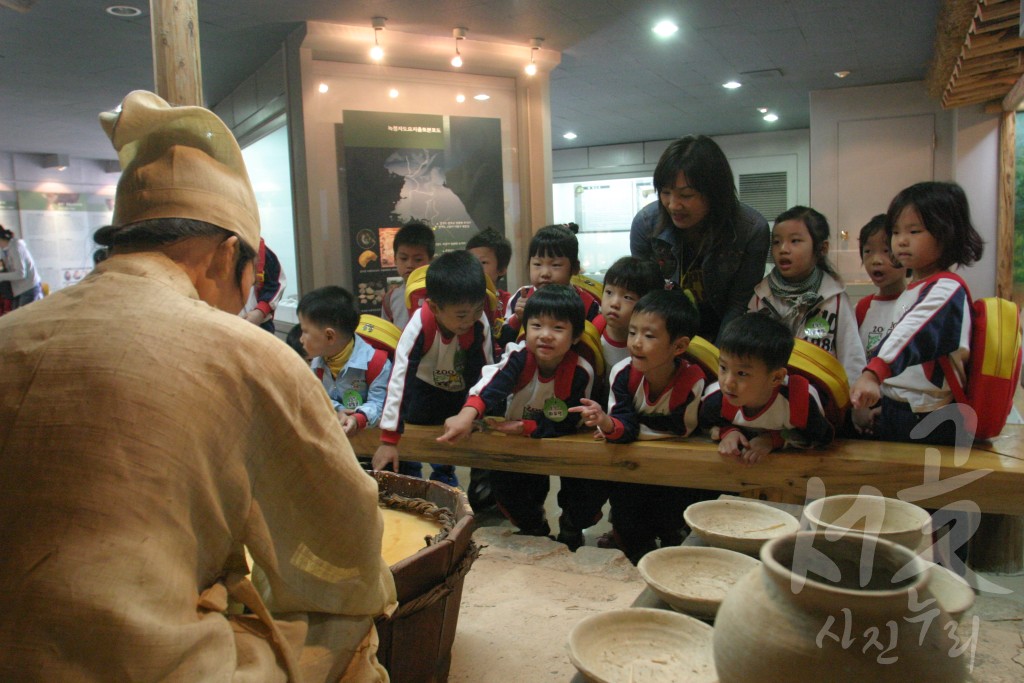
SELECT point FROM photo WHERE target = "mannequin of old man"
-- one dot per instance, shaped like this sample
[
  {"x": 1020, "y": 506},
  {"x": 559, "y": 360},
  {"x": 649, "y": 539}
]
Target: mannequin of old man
[{"x": 147, "y": 434}]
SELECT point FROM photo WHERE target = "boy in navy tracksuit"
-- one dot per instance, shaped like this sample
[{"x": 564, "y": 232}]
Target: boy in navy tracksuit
[
  {"x": 755, "y": 408},
  {"x": 443, "y": 348},
  {"x": 354, "y": 373},
  {"x": 539, "y": 380},
  {"x": 655, "y": 394}
]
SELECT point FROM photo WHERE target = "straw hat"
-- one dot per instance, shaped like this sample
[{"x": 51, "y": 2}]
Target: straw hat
[{"x": 179, "y": 162}]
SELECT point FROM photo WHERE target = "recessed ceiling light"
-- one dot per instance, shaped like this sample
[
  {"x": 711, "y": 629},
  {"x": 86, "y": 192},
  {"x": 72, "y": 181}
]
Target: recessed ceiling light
[
  {"x": 481, "y": 97},
  {"x": 460, "y": 98},
  {"x": 123, "y": 11},
  {"x": 665, "y": 28},
  {"x": 570, "y": 136},
  {"x": 393, "y": 93},
  {"x": 842, "y": 74},
  {"x": 732, "y": 85},
  {"x": 763, "y": 110},
  {"x": 771, "y": 118},
  {"x": 323, "y": 87}
]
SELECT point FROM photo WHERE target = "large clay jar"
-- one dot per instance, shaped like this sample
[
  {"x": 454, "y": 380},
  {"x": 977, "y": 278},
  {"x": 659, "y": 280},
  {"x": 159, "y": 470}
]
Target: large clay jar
[{"x": 851, "y": 610}]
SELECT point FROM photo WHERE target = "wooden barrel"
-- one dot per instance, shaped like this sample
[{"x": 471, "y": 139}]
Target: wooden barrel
[{"x": 416, "y": 640}]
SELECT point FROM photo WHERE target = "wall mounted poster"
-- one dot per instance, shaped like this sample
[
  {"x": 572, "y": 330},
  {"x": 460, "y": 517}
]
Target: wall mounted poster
[{"x": 443, "y": 170}]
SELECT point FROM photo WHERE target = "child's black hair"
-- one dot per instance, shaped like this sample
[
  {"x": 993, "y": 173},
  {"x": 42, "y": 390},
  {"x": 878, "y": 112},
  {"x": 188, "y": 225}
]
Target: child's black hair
[
  {"x": 557, "y": 241},
  {"x": 817, "y": 229},
  {"x": 946, "y": 214},
  {"x": 757, "y": 335},
  {"x": 330, "y": 306},
  {"x": 294, "y": 340},
  {"x": 876, "y": 224},
  {"x": 490, "y": 238},
  {"x": 561, "y": 302},
  {"x": 415, "y": 234},
  {"x": 636, "y": 275},
  {"x": 682, "y": 319},
  {"x": 456, "y": 278}
]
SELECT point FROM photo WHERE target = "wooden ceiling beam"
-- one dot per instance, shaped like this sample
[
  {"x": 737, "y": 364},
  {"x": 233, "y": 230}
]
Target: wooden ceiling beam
[{"x": 991, "y": 11}]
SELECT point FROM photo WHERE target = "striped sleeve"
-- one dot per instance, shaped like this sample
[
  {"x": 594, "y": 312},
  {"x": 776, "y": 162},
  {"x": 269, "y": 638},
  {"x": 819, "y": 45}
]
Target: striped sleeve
[
  {"x": 932, "y": 328},
  {"x": 407, "y": 360}
]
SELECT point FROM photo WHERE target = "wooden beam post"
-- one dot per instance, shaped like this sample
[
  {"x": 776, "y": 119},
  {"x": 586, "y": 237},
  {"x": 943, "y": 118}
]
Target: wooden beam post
[
  {"x": 177, "y": 70},
  {"x": 1005, "y": 215}
]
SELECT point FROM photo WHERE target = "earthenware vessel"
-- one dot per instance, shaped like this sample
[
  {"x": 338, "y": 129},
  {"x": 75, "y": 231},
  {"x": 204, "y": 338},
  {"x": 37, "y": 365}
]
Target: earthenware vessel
[
  {"x": 849, "y": 610},
  {"x": 889, "y": 518}
]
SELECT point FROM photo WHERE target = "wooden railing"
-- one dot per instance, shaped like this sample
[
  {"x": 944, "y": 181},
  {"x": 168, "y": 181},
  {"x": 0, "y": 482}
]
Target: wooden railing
[{"x": 991, "y": 474}]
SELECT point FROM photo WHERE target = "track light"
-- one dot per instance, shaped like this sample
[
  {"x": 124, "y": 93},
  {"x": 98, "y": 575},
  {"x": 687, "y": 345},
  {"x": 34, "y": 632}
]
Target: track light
[
  {"x": 531, "y": 68},
  {"x": 377, "y": 52},
  {"x": 459, "y": 33}
]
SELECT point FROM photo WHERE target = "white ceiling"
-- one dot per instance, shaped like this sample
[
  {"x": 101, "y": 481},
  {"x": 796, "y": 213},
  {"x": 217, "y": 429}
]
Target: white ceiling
[{"x": 66, "y": 60}]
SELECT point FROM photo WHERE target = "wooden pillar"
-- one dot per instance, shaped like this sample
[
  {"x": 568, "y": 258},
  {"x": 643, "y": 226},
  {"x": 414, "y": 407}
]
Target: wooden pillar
[
  {"x": 176, "y": 66},
  {"x": 1005, "y": 215},
  {"x": 998, "y": 545}
]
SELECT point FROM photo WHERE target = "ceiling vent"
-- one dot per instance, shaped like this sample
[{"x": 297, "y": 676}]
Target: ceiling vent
[{"x": 762, "y": 74}]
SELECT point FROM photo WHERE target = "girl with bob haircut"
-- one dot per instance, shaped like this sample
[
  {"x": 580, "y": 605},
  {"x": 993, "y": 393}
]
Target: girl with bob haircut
[
  {"x": 930, "y": 231},
  {"x": 700, "y": 235}
]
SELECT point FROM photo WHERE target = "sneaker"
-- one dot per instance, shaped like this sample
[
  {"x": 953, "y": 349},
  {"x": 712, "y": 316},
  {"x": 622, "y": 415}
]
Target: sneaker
[{"x": 570, "y": 538}]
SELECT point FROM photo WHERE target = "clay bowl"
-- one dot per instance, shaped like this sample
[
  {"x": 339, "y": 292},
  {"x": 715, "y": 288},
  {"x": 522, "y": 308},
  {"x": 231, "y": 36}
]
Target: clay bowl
[
  {"x": 694, "y": 579},
  {"x": 740, "y": 525},
  {"x": 954, "y": 594},
  {"x": 888, "y": 518},
  {"x": 639, "y": 644}
]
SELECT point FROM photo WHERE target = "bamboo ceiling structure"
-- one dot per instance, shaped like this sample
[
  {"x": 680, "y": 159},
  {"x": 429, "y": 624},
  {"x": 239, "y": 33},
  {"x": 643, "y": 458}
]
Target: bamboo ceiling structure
[{"x": 979, "y": 54}]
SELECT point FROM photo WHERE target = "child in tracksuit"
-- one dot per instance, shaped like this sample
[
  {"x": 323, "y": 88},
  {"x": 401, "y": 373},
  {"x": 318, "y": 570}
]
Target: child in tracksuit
[
  {"x": 443, "y": 348},
  {"x": 755, "y": 407},
  {"x": 554, "y": 257},
  {"x": 354, "y": 373},
  {"x": 655, "y": 394},
  {"x": 413, "y": 247},
  {"x": 628, "y": 280},
  {"x": 541, "y": 378},
  {"x": 930, "y": 231},
  {"x": 876, "y": 312}
]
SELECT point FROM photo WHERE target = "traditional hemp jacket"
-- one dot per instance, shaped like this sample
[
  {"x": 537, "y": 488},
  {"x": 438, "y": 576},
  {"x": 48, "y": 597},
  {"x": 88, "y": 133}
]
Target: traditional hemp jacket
[{"x": 144, "y": 437}]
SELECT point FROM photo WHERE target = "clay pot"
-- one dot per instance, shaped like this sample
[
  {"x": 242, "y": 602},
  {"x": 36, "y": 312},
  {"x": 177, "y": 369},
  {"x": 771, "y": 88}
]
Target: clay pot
[
  {"x": 862, "y": 612},
  {"x": 889, "y": 518}
]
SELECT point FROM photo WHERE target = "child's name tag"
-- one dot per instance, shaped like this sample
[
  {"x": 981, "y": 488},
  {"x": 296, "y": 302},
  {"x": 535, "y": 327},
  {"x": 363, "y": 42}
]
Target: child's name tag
[{"x": 555, "y": 409}]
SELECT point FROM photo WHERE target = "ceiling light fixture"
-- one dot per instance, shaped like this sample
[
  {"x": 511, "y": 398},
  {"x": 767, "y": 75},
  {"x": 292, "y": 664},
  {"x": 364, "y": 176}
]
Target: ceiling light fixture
[
  {"x": 763, "y": 110},
  {"x": 732, "y": 85},
  {"x": 481, "y": 97},
  {"x": 460, "y": 98},
  {"x": 570, "y": 136},
  {"x": 377, "y": 52},
  {"x": 665, "y": 28},
  {"x": 771, "y": 118},
  {"x": 323, "y": 87},
  {"x": 393, "y": 93},
  {"x": 123, "y": 11},
  {"x": 842, "y": 74},
  {"x": 531, "y": 68},
  {"x": 459, "y": 33}
]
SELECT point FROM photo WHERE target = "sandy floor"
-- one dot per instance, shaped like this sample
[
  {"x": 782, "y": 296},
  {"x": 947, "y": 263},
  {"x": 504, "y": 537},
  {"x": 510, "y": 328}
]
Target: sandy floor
[{"x": 524, "y": 595}]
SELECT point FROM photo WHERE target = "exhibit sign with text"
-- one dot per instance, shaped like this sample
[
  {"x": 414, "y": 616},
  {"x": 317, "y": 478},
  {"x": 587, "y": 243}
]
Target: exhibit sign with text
[{"x": 443, "y": 170}]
